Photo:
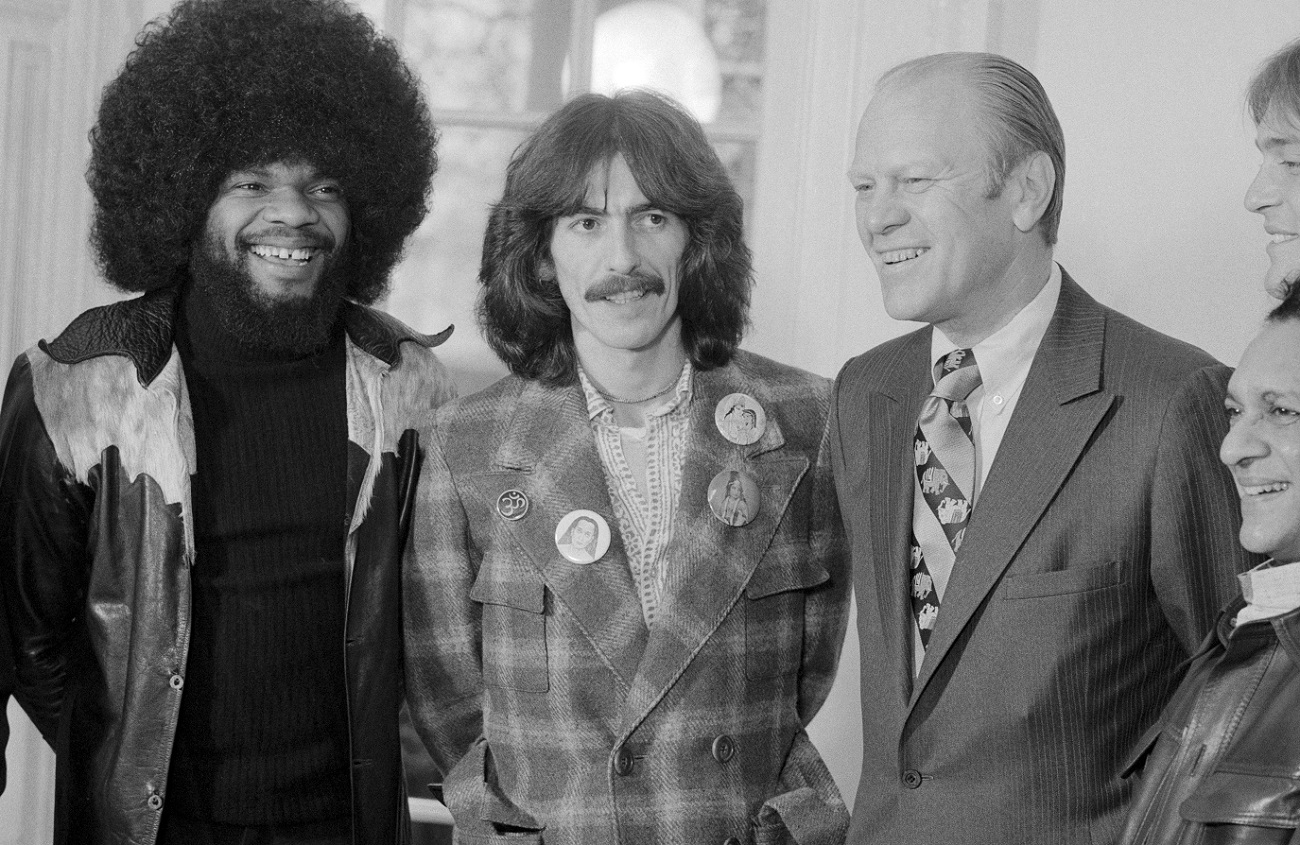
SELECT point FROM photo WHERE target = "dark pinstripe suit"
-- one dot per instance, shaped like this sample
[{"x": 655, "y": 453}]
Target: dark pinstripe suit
[{"x": 1104, "y": 542}]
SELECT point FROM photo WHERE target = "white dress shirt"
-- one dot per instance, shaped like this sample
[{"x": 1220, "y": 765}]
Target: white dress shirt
[{"x": 1004, "y": 358}]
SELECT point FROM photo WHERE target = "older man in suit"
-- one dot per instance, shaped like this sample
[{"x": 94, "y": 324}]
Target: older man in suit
[
  {"x": 1040, "y": 531},
  {"x": 653, "y": 685}
]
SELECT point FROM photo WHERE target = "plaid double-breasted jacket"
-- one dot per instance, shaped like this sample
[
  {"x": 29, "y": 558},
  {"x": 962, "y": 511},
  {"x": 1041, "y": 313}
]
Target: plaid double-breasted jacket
[{"x": 556, "y": 715}]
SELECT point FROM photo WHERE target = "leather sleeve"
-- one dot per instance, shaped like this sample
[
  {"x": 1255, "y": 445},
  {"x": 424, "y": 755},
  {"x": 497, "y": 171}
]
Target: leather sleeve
[
  {"x": 6, "y": 690},
  {"x": 1195, "y": 511},
  {"x": 44, "y": 559}
]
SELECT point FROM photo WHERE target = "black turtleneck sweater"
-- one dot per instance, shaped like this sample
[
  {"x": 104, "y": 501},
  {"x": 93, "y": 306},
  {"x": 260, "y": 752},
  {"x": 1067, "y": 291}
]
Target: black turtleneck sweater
[{"x": 262, "y": 736}]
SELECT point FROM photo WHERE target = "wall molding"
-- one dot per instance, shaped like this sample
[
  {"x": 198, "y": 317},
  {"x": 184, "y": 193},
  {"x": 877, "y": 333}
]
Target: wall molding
[
  {"x": 24, "y": 122},
  {"x": 55, "y": 56}
]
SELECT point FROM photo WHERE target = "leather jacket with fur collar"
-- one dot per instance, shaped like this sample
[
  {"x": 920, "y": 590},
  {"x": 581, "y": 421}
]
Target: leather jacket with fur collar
[{"x": 96, "y": 545}]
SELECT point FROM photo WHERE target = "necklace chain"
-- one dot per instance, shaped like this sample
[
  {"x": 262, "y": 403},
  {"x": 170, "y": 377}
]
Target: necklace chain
[{"x": 621, "y": 401}]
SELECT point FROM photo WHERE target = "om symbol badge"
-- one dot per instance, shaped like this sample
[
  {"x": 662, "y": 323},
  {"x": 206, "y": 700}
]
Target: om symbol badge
[{"x": 512, "y": 505}]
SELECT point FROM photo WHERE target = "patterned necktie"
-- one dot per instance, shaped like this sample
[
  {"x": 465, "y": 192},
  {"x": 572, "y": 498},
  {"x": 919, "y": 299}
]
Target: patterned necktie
[{"x": 945, "y": 483}]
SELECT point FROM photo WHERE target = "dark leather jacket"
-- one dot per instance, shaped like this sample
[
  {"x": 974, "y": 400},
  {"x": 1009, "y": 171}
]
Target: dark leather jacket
[
  {"x": 96, "y": 545},
  {"x": 1222, "y": 764}
]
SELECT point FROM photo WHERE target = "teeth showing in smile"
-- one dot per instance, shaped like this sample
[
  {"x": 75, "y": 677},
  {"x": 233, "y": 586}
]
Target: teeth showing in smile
[
  {"x": 283, "y": 253},
  {"x": 1260, "y": 489},
  {"x": 898, "y": 256},
  {"x": 625, "y": 297},
  {"x": 1282, "y": 237}
]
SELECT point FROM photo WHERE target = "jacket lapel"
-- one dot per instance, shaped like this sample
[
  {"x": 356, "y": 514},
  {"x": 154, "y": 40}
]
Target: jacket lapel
[
  {"x": 890, "y": 419},
  {"x": 549, "y": 454},
  {"x": 711, "y": 563},
  {"x": 1060, "y": 407}
]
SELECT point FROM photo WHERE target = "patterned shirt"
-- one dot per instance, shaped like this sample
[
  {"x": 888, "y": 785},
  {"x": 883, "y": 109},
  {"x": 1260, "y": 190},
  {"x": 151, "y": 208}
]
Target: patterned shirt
[{"x": 644, "y": 511}]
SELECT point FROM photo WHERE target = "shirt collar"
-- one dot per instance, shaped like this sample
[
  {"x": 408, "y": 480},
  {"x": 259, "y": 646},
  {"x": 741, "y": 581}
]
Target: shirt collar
[
  {"x": 1008, "y": 352},
  {"x": 1269, "y": 589},
  {"x": 600, "y": 408}
]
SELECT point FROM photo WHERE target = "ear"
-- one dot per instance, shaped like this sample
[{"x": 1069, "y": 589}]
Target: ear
[
  {"x": 546, "y": 270},
  {"x": 1032, "y": 183}
]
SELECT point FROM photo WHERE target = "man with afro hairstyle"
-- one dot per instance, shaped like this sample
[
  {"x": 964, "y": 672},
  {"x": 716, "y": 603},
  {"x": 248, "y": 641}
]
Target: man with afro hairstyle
[{"x": 205, "y": 490}]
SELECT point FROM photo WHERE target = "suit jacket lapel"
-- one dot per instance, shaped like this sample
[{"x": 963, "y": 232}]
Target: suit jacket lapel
[
  {"x": 1060, "y": 407},
  {"x": 711, "y": 562},
  {"x": 549, "y": 453},
  {"x": 890, "y": 420}
]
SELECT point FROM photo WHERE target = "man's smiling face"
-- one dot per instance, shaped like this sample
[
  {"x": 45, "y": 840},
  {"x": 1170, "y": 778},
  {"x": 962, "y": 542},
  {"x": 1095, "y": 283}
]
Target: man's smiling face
[
  {"x": 1275, "y": 194},
  {"x": 941, "y": 245},
  {"x": 271, "y": 260},
  {"x": 1262, "y": 446},
  {"x": 282, "y": 225}
]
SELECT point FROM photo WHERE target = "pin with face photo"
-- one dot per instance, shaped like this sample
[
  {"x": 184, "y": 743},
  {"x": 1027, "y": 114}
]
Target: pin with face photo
[
  {"x": 740, "y": 418},
  {"x": 582, "y": 536},
  {"x": 734, "y": 497}
]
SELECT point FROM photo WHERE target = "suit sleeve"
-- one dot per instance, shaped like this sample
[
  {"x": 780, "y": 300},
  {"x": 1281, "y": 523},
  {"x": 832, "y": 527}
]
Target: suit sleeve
[
  {"x": 441, "y": 626},
  {"x": 1195, "y": 511}
]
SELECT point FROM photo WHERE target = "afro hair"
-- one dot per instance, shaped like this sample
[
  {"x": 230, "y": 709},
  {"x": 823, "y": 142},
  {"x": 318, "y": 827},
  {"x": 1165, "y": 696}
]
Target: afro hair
[{"x": 223, "y": 85}]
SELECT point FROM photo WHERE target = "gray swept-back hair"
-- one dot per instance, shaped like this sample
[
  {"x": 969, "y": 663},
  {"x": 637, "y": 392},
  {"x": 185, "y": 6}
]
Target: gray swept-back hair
[{"x": 1015, "y": 115}]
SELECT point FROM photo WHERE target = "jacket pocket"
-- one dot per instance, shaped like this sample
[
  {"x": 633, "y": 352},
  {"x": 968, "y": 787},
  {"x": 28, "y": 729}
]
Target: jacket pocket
[
  {"x": 1080, "y": 579},
  {"x": 774, "y": 613},
  {"x": 1242, "y": 798},
  {"x": 514, "y": 631},
  {"x": 1137, "y": 758},
  {"x": 495, "y": 837},
  {"x": 809, "y": 809},
  {"x": 483, "y": 814}
]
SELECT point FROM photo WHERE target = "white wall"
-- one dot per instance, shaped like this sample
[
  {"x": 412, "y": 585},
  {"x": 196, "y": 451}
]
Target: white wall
[{"x": 1160, "y": 151}]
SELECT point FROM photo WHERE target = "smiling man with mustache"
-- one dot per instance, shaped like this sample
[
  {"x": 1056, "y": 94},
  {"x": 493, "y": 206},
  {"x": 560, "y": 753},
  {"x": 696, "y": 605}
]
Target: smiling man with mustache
[
  {"x": 656, "y": 689},
  {"x": 203, "y": 489}
]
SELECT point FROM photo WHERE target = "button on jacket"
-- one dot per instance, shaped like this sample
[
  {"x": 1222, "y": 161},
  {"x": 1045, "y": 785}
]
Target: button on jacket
[
  {"x": 96, "y": 545},
  {"x": 1222, "y": 764}
]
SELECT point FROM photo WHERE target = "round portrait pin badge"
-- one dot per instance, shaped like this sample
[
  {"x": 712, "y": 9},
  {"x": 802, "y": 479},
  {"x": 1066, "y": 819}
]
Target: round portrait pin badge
[
  {"x": 734, "y": 497},
  {"x": 740, "y": 418},
  {"x": 582, "y": 536}
]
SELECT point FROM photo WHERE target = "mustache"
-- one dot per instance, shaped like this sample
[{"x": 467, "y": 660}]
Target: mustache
[{"x": 616, "y": 283}]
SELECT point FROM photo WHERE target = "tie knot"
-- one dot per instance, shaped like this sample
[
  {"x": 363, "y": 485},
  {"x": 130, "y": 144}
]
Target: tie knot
[{"x": 956, "y": 375}]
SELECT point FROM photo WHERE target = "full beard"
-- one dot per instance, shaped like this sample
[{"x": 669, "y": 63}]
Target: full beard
[{"x": 280, "y": 328}]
